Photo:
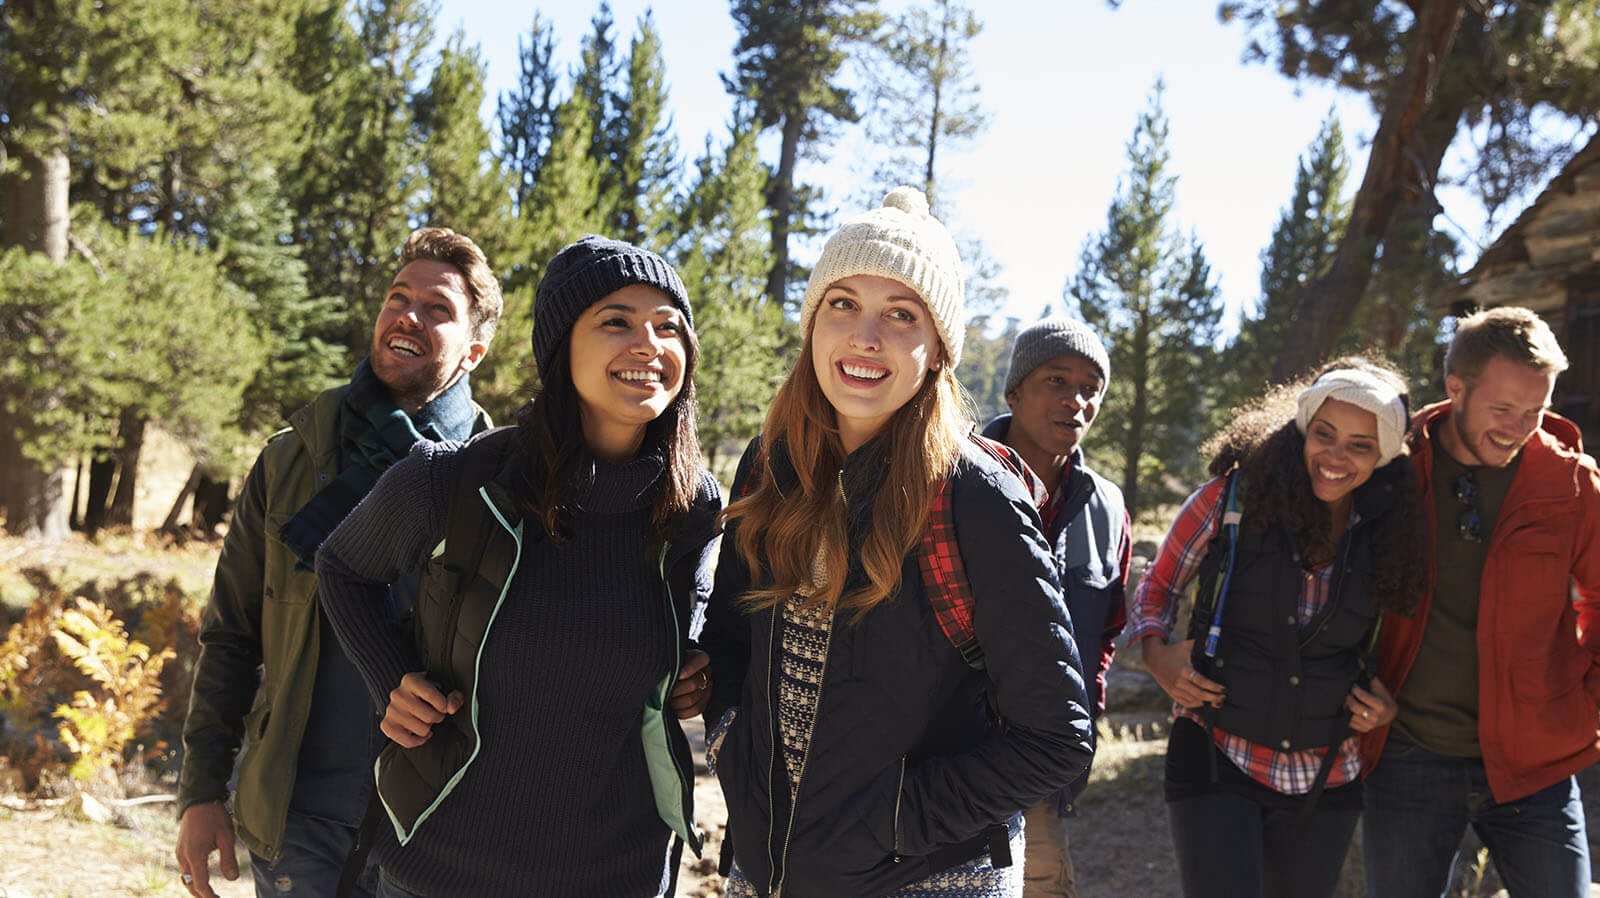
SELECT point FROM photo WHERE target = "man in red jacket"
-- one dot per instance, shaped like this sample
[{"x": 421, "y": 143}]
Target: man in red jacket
[{"x": 1498, "y": 670}]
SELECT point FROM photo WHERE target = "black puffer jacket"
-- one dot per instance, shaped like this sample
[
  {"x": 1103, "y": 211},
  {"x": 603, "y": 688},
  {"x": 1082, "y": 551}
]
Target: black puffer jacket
[{"x": 905, "y": 762}]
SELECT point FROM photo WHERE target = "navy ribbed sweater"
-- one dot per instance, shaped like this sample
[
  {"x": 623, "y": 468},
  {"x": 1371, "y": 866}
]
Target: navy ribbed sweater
[{"x": 559, "y": 800}]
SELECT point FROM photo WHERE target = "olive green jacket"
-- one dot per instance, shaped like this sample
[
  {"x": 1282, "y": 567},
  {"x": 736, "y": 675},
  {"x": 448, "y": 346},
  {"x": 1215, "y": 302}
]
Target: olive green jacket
[{"x": 260, "y": 637}]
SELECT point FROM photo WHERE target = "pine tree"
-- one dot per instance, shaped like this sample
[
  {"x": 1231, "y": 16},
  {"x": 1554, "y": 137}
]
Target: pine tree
[
  {"x": 147, "y": 110},
  {"x": 787, "y": 60},
  {"x": 464, "y": 187},
  {"x": 564, "y": 205},
  {"x": 647, "y": 168},
  {"x": 724, "y": 257},
  {"x": 926, "y": 99},
  {"x": 1431, "y": 68},
  {"x": 599, "y": 81},
  {"x": 355, "y": 188},
  {"x": 1302, "y": 247},
  {"x": 1147, "y": 290},
  {"x": 527, "y": 113},
  {"x": 146, "y": 326}
]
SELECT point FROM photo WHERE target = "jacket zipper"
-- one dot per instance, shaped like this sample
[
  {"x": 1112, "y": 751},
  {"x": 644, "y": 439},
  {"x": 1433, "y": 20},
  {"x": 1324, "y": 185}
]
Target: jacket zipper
[
  {"x": 685, "y": 778},
  {"x": 775, "y": 879},
  {"x": 772, "y": 859},
  {"x": 900, "y": 786}
]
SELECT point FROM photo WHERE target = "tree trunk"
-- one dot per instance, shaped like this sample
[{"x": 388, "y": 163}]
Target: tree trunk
[
  {"x": 211, "y": 504},
  {"x": 1325, "y": 310},
  {"x": 130, "y": 436},
  {"x": 102, "y": 474},
  {"x": 170, "y": 525},
  {"x": 781, "y": 201},
  {"x": 34, "y": 496}
]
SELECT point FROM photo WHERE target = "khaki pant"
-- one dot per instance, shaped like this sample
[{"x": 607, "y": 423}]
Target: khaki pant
[{"x": 1047, "y": 866}]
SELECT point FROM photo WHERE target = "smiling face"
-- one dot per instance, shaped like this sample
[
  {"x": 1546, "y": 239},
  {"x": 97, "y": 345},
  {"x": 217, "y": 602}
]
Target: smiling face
[
  {"x": 872, "y": 344},
  {"x": 1052, "y": 408},
  {"x": 423, "y": 338},
  {"x": 1341, "y": 451},
  {"x": 1495, "y": 413},
  {"x": 628, "y": 360}
]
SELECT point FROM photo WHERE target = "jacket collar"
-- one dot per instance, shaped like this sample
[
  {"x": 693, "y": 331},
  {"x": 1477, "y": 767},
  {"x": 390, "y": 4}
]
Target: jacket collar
[{"x": 1545, "y": 470}]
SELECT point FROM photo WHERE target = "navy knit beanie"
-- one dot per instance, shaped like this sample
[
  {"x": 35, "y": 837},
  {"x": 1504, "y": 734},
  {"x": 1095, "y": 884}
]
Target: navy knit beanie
[{"x": 587, "y": 271}]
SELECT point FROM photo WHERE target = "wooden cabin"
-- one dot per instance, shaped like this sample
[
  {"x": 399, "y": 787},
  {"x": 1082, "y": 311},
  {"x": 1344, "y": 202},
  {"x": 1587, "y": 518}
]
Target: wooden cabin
[{"x": 1548, "y": 260}]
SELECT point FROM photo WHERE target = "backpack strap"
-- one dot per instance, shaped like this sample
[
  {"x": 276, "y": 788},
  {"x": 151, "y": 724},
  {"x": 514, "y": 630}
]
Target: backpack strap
[
  {"x": 467, "y": 525},
  {"x": 944, "y": 573},
  {"x": 1212, "y": 606},
  {"x": 944, "y": 578}
]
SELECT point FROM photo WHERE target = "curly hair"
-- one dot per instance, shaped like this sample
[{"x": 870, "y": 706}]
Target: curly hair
[{"x": 1266, "y": 447}]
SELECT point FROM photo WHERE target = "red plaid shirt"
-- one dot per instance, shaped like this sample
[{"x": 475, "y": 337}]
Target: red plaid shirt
[{"x": 1155, "y": 611}]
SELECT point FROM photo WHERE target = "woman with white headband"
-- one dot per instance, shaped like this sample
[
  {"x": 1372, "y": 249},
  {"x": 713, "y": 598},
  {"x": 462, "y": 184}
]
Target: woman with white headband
[{"x": 1306, "y": 533}]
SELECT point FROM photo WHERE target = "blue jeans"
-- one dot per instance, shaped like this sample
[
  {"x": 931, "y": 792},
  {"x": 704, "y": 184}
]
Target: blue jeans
[
  {"x": 313, "y": 856},
  {"x": 1419, "y": 805},
  {"x": 1229, "y": 846}
]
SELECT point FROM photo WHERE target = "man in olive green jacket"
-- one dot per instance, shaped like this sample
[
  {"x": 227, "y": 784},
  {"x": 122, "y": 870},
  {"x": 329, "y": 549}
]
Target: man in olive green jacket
[{"x": 272, "y": 691}]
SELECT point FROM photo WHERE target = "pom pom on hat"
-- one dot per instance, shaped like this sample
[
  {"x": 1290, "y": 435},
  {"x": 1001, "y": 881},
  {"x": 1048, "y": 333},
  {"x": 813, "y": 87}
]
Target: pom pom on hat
[{"x": 900, "y": 240}]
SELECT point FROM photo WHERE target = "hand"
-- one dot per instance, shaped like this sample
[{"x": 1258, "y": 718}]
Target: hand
[
  {"x": 693, "y": 689},
  {"x": 415, "y": 706},
  {"x": 202, "y": 829},
  {"x": 1370, "y": 710},
  {"x": 1169, "y": 664}
]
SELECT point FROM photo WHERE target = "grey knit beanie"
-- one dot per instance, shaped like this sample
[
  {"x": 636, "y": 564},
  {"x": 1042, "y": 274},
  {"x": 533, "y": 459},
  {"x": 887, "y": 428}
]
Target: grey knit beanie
[
  {"x": 1047, "y": 338},
  {"x": 587, "y": 271}
]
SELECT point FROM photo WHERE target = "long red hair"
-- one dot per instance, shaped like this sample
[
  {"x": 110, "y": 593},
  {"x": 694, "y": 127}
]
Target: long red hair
[{"x": 780, "y": 532}]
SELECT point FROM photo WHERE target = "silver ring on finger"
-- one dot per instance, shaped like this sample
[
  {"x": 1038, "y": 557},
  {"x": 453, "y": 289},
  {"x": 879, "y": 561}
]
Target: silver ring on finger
[{"x": 187, "y": 878}]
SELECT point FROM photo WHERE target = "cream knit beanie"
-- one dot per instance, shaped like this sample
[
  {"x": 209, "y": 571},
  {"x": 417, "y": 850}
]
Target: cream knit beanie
[
  {"x": 1363, "y": 390},
  {"x": 903, "y": 241}
]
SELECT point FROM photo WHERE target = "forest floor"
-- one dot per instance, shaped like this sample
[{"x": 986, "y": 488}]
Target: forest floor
[{"x": 1119, "y": 841}]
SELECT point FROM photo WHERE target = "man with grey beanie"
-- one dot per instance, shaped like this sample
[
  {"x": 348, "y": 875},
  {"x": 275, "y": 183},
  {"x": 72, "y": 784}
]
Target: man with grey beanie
[{"x": 1057, "y": 379}]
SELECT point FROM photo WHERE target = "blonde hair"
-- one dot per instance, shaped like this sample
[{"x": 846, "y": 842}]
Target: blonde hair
[
  {"x": 1511, "y": 332},
  {"x": 782, "y": 532}
]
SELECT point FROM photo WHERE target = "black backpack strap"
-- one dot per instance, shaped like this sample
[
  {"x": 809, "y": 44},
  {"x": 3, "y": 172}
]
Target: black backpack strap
[
  {"x": 1205, "y": 624},
  {"x": 356, "y": 862},
  {"x": 467, "y": 529}
]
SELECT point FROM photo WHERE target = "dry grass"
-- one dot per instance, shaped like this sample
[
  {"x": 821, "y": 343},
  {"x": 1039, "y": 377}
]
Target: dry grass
[{"x": 1120, "y": 842}]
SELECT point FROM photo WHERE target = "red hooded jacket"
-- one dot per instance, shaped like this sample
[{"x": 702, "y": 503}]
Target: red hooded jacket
[{"x": 1538, "y": 616}]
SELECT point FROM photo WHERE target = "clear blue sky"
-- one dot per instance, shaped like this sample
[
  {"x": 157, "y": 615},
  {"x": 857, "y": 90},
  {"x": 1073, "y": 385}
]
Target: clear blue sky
[{"x": 1064, "y": 82}]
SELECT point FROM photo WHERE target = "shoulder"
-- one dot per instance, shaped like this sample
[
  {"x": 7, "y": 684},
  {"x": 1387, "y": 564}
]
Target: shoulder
[
  {"x": 1108, "y": 492},
  {"x": 312, "y": 428},
  {"x": 981, "y": 485}
]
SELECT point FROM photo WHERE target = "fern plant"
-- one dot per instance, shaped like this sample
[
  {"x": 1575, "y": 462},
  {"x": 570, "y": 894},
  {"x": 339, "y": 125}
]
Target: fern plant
[{"x": 98, "y": 724}]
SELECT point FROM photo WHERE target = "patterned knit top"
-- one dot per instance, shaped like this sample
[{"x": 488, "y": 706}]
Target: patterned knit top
[{"x": 804, "y": 633}]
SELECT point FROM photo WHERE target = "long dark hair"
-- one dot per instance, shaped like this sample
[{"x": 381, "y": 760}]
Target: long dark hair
[
  {"x": 1268, "y": 450},
  {"x": 551, "y": 432}
]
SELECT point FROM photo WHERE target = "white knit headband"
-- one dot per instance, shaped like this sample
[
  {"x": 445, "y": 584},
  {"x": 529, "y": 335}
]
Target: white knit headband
[{"x": 1363, "y": 390}]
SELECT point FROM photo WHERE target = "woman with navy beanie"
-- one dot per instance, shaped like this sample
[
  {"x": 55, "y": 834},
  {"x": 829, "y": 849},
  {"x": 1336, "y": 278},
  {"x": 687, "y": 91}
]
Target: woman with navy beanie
[{"x": 533, "y": 703}]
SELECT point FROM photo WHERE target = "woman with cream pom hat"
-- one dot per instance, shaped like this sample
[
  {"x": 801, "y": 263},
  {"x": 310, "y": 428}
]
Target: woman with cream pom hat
[{"x": 859, "y": 752}]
